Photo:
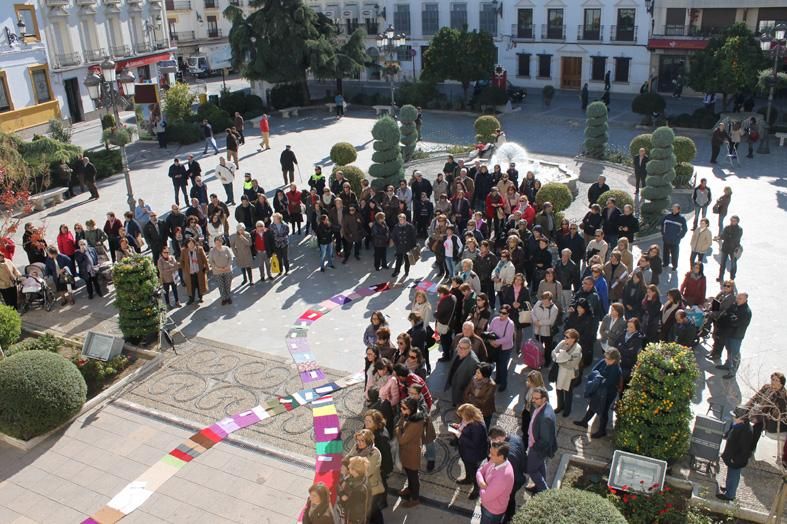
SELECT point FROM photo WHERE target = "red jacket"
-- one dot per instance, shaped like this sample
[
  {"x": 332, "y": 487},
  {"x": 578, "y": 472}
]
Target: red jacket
[
  {"x": 293, "y": 202},
  {"x": 490, "y": 211},
  {"x": 411, "y": 379},
  {"x": 693, "y": 290},
  {"x": 66, "y": 244},
  {"x": 265, "y": 126}
]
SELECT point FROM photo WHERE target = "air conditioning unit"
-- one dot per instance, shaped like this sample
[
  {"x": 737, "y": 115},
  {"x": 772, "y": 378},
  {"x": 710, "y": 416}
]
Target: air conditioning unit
[{"x": 368, "y": 13}]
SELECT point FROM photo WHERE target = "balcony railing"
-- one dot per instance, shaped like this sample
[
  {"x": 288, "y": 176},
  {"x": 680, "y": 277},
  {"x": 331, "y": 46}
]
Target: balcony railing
[
  {"x": 688, "y": 31},
  {"x": 68, "y": 59},
  {"x": 162, "y": 44},
  {"x": 55, "y": 3},
  {"x": 553, "y": 32},
  {"x": 183, "y": 36},
  {"x": 178, "y": 5},
  {"x": 236, "y": 3},
  {"x": 143, "y": 47},
  {"x": 85, "y": 3},
  {"x": 523, "y": 32},
  {"x": 120, "y": 50},
  {"x": 211, "y": 4},
  {"x": 590, "y": 33},
  {"x": 618, "y": 33},
  {"x": 95, "y": 55},
  {"x": 214, "y": 33}
]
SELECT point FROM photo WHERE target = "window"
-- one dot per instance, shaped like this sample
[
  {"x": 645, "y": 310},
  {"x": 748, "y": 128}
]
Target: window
[
  {"x": 402, "y": 18},
  {"x": 598, "y": 68},
  {"x": 622, "y": 69},
  {"x": 545, "y": 66},
  {"x": 371, "y": 26},
  {"x": 28, "y": 15},
  {"x": 458, "y": 16},
  {"x": 5, "y": 94},
  {"x": 555, "y": 24},
  {"x": 523, "y": 62},
  {"x": 430, "y": 19},
  {"x": 39, "y": 76},
  {"x": 625, "y": 30},
  {"x": 770, "y": 17},
  {"x": 524, "y": 23},
  {"x": 350, "y": 25},
  {"x": 213, "y": 27},
  {"x": 676, "y": 22},
  {"x": 171, "y": 25},
  {"x": 592, "y": 28},
  {"x": 488, "y": 18},
  {"x": 403, "y": 53}
]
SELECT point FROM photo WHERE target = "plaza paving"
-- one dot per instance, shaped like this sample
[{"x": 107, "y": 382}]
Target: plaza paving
[{"x": 252, "y": 330}]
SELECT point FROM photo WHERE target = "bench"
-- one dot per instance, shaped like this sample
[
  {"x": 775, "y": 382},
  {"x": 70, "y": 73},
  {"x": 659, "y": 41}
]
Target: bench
[
  {"x": 378, "y": 110},
  {"x": 332, "y": 107},
  {"x": 55, "y": 196},
  {"x": 285, "y": 113},
  {"x": 781, "y": 137}
]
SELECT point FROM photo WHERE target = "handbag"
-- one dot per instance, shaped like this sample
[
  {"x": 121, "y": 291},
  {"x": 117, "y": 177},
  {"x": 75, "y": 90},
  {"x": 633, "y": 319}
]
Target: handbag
[
  {"x": 414, "y": 255},
  {"x": 553, "y": 371},
  {"x": 754, "y": 135},
  {"x": 275, "y": 266},
  {"x": 442, "y": 329},
  {"x": 716, "y": 208},
  {"x": 526, "y": 314},
  {"x": 738, "y": 252}
]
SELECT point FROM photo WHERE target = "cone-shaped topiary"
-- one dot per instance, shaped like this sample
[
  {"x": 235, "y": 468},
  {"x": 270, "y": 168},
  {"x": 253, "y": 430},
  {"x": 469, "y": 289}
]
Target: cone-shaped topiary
[
  {"x": 343, "y": 153},
  {"x": 658, "y": 182},
  {"x": 655, "y": 412},
  {"x": 596, "y": 130},
  {"x": 387, "y": 157},
  {"x": 39, "y": 391},
  {"x": 621, "y": 198},
  {"x": 568, "y": 506},
  {"x": 485, "y": 127},
  {"x": 409, "y": 132},
  {"x": 135, "y": 282}
]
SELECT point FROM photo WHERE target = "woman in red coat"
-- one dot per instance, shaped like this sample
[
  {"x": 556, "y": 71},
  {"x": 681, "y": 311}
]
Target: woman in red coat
[
  {"x": 294, "y": 208},
  {"x": 67, "y": 245},
  {"x": 693, "y": 286}
]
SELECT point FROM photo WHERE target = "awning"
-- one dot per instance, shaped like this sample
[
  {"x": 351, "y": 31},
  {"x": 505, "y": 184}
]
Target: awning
[
  {"x": 686, "y": 45},
  {"x": 143, "y": 61}
]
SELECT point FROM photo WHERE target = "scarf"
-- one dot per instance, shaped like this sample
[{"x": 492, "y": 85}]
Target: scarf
[{"x": 193, "y": 262}]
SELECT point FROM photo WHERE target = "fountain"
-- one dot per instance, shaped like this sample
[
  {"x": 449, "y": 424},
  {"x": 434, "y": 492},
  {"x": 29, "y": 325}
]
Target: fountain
[{"x": 544, "y": 171}]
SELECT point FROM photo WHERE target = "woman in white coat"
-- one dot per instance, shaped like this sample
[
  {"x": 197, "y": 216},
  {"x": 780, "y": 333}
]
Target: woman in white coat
[
  {"x": 568, "y": 356},
  {"x": 544, "y": 316},
  {"x": 226, "y": 174}
]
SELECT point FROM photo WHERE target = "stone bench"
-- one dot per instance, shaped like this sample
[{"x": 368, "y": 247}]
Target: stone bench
[
  {"x": 332, "y": 107},
  {"x": 41, "y": 200},
  {"x": 781, "y": 137},
  {"x": 285, "y": 113},
  {"x": 379, "y": 110}
]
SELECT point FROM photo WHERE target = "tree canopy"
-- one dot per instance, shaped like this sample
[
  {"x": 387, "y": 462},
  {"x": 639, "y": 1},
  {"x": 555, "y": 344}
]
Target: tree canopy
[
  {"x": 459, "y": 55},
  {"x": 731, "y": 62}
]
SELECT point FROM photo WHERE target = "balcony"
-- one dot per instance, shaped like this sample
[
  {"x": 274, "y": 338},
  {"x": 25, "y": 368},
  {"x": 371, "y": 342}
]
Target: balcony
[
  {"x": 162, "y": 43},
  {"x": 236, "y": 3},
  {"x": 143, "y": 47},
  {"x": 211, "y": 4},
  {"x": 688, "y": 31},
  {"x": 56, "y": 3},
  {"x": 523, "y": 32},
  {"x": 86, "y": 3},
  {"x": 178, "y": 5},
  {"x": 67, "y": 59},
  {"x": 120, "y": 50},
  {"x": 113, "y": 2},
  {"x": 618, "y": 33},
  {"x": 553, "y": 32},
  {"x": 214, "y": 33},
  {"x": 95, "y": 55},
  {"x": 183, "y": 36},
  {"x": 590, "y": 33}
]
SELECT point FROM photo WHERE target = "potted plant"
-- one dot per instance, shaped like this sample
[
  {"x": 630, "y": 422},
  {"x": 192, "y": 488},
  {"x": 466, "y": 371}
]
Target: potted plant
[{"x": 549, "y": 94}]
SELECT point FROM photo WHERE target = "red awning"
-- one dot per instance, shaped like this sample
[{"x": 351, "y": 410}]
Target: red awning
[
  {"x": 143, "y": 60},
  {"x": 667, "y": 43}
]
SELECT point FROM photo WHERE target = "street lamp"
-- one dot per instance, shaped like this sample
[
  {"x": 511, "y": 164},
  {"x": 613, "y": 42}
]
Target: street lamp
[
  {"x": 98, "y": 85},
  {"x": 389, "y": 43},
  {"x": 774, "y": 45}
]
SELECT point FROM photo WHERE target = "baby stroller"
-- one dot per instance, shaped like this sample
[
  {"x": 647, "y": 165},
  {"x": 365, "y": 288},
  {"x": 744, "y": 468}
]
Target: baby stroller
[
  {"x": 35, "y": 288},
  {"x": 702, "y": 321}
]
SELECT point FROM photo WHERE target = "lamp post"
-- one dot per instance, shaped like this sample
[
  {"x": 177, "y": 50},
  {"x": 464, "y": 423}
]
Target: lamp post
[
  {"x": 13, "y": 37},
  {"x": 774, "y": 45},
  {"x": 98, "y": 85},
  {"x": 388, "y": 43}
]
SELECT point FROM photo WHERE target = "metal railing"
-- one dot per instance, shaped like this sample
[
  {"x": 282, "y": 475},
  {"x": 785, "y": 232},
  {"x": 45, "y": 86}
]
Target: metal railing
[
  {"x": 183, "y": 36},
  {"x": 120, "y": 50},
  {"x": 68, "y": 59},
  {"x": 162, "y": 44},
  {"x": 618, "y": 33},
  {"x": 55, "y": 3},
  {"x": 175, "y": 5},
  {"x": 523, "y": 32},
  {"x": 143, "y": 47},
  {"x": 214, "y": 33},
  {"x": 95, "y": 55},
  {"x": 590, "y": 33},
  {"x": 553, "y": 32},
  {"x": 689, "y": 31}
]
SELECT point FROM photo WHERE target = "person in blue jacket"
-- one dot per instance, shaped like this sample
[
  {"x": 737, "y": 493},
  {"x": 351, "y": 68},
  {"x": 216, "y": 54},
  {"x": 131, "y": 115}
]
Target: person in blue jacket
[
  {"x": 673, "y": 229},
  {"x": 601, "y": 389},
  {"x": 58, "y": 266},
  {"x": 601, "y": 285}
]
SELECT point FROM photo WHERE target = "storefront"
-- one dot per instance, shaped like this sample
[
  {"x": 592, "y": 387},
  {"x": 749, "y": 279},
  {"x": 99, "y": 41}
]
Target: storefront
[{"x": 670, "y": 58}]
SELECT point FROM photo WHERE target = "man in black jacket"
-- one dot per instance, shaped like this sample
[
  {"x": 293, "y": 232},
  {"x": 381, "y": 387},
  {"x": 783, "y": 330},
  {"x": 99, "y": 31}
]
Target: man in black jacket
[
  {"x": 734, "y": 323},
  {"x": 597, "y": 189},
  {"x": 567, "y": 273},
  {"x": 484, "y": 265},
  {"x": 730, "y": 242},
  {"x": 610, "y": 222},
  {"x": 541, "y": 438},
  {"x": 89, "y": 172},
  {"x": 155, "y": 234},
  {"x": 403, "y": 236},
  {"x": 244, "y": 213},
  {"x": 640, "y": 162},
  {"x": 736, "y": 454},
  {"x": 176, "y": 223},
  {"x": 179, "y": 180},
  {"x": 288, "y": 162}
]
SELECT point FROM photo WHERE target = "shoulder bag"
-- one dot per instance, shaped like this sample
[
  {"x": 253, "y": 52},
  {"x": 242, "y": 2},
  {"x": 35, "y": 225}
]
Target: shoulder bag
[{"x": 526, "y": 313}]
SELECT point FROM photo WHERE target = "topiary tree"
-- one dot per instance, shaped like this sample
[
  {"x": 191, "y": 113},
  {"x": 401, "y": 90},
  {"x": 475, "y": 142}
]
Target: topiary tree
[
  {"x": 387, "y": 157},
  {"x": 39, "y": 391},
  {"x": 658, "y": 182},
  {"x": 568, "y": 506},
  {"x": 409, "y": 132},
  {"x": 485, "y": 127},
  {"x": 135, "y": 282},
  {"x": 655, "y": 412},
  {"x": 353, "y": 174},
  {"x": 10, "y": 326},
  {"x": 648, "y": 104},
  {"x": 644, "y": 140},
  {"x": 343, "y": 153},
  {"x": 684, "y": 148},
  {"x": 621, "y": 198},
  {"x": 596, "y": 130},
  {"x": 559, "y": 195},
  {"x": 683, "y": 174}
]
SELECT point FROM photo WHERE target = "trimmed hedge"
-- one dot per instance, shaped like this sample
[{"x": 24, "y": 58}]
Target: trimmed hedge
[
  {"x": 387, "y": 166},
  {"x": 568, "y": 506},
  {"x": 645, "y": 140},
  {"x": 559, "y": 195},
  {"x": 39, "y": 391},
  {"x": 135, "y": 281},
  {"x": 683, "y": 173},
  {"x": 216, "y": 116},
  {"x": 648, "y": 103},
  {"x": 485, "y": 127},
  {"x": 684, "y": 148},
  {"x": 10, "y": 326},
  {"x": 596, "y": 130},
  {"x": 408, "y": 131},
  {"x": 661, "y": 173},
  {"x": 621, "y": 198},
  {"x": 183, "y": 133},
  {"x": 353, "y": 174},
  {"x": 343, "y": 153},
  {"x": 45, "y": 342}
]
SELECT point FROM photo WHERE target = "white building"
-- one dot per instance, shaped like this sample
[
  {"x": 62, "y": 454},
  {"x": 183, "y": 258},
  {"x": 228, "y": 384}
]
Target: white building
[
  {"x": 679, "y": 29},
  {"x": 540, "y": 42}
]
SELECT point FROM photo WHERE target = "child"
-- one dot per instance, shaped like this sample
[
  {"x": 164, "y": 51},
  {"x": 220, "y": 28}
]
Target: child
[{"x": 414, "y": 392}]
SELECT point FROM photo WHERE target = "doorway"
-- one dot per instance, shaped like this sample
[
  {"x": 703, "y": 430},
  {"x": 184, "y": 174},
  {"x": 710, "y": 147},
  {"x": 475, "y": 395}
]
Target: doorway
[
  {"x": 73, "y": 99},
  {"x": 670, "y": 66},
  {"x": 570, "y": 72}
]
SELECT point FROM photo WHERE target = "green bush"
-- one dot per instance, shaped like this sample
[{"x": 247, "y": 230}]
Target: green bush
[
  {"x": 352, "y": 173},
  {"x": 408, "y": 131},
  {"x": 485, "y": 127},
  {"x": 418, "y": 93},
  {"x": 621, "y": 198},
  {"x": 682, "y": 120},
  {"x": 645, "y": 140},
  {"x": 596, "y": 130},
  {"x": 249, "y": 106},
  {"x": 107, "y": 162},
  {"x": 558, "y": 194},
  {"x": 492, "y": 96},
  {"x": 648, "y": 103},
  {"x": 288, "y": 95},
  {"x": 178, "y": 100},
  {"x": 343, "y": 153},
  {"x": 45, "y": 342},
  {"x": 98, "y": 373},
  {"x": 39, "y": 391},
  {"x": 661, "y": 173},
  {"x": 683, "y": 173},
  {"x": 135, "y": 281},
  {"x": 217, "y": 117},
  {"x": 107, "y": 121},
  {"x": 684, "y": 148},
  {"x": 654, "y": 415},
  {"x": 387, "y": 158},
  {"x": 10, "y": 326},
  {"x": 60, "y": 130},
  {"x": 703, "y": 118},
  {"x": 183, "y": 133},
  {"x": 568, "y": 506}
]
